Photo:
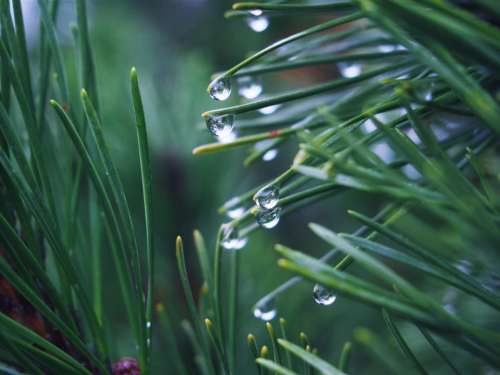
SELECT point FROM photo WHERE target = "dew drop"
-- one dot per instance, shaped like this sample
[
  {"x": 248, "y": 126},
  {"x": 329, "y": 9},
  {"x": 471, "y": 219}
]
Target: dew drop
[
  {"x": 349, "y": 70},
  {"x": 386, "y": 48},
  {"x": 148, "y": 325},
  {"x": 270, "y": 155},
  {"x": 231, "y": 239},
  {"x": 269, "y": 109},
  {"x": 267, "y": 197},
  {"x": 269, "y": 218},
  {"x": 323, "y": 296},
  {"x": 258, "y": 23},
  {"x": 220, "y": 89},
  {"x": 249, "y": 87},
  {"x": 265, "y": 311},
  {"x": 220, "y": 126}
]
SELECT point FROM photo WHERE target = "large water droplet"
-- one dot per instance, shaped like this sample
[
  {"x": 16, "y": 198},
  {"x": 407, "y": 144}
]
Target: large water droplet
[
  {"x": 231, "y": 239},
  {"x": 220, "y": 126},
  {"x": 269, "y": 218},
  {"x": 349, "y": 70},
  {"x": 249, "y": 87},
  {"x": 258, "y": 23},
  {"x": 269, "y": 109},
  {"x": 265, "y": 311},
  {"x": 267, "y": 197},
  {"x": 220, "y": 89},
  {"x": 323, "y": 296}
]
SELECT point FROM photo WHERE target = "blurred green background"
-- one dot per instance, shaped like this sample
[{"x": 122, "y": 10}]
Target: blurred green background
[{"x": 176, "y": 45}]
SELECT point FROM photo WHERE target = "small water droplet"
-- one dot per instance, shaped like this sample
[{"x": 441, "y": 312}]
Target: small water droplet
[
  {"x": 269, "y": 109},
  {"x": 385, "y": 48},
  {"x": 463, "y": 265},
  {"x": 148, "y": 342},
  {"x": 269, "y": 218},
  {"x": 220, "y": 126},
  {"x": 323, "y": 296},
  {"x": 265, "y": 311},
  {"x": 270, "y": 154},
  {"x": 148, "y": 325},
  {"x": 231, "y": 239},
  {"x": 220, "y": 89},
  {"x": 249, "y": 87},
  {"x": 256, "y": 12},
  {"x": 236, "y": 213},
  {"x": 267, "y": 197},
  {"x": 258, "y": 23},
  {"x": 349, "y": 70}
]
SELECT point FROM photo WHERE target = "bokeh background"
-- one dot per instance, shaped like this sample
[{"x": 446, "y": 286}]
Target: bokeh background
[{"x": 176, "y": 46}]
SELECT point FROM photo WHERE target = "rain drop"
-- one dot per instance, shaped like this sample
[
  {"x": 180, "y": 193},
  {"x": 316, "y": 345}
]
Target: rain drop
[
  {"x": 220, "y": 126},
  {"x": 270, "y": 155},
  {"x": 269, "y": 218},
  {"x": 220, "y": 89},
  {"x": 249, "y": 87},
  {"x": 267, "y": 197},
  {"x": 231, "y": 239},
  {"x": 349, "y": 70},
  {"x": 323, "y": 296},
  {"x": 265, "y": 311},
  {"x": 269, "y": 109},
  {"x": 258, "y": 23}
]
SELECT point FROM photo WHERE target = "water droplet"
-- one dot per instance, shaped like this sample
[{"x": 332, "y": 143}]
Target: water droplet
[
  {"x": 220, "y": 126},
  {"x": 323, "y": 296},
  {"x": 265, "y": 311},
  {"x": 267, "y": 197},
  {"x": 270, "y": 155},
  {"x": 232, "y": 210},
  {"x": 269, "y": 109},
  {"x": 249, "y": 87},
  {"x": 220, "y": 89},
  {"x": 227, "y": 137},
  {"x": 256, "y": 12},
  {"x": 258, "y": 23},
  {"x": 148, "y": 325},
  {"x": 385, "y": 48},
  {"x": 463, "y": 265},
  {"x": 269, "y": 218},
  {"x": 148, "y": 342},
  {"x": 231, "y": 239},
  {"x": 349, "y": 70}
]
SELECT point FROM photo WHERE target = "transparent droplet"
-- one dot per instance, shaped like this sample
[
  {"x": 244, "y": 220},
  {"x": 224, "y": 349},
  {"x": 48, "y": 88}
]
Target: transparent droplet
[
  {"x": 265, "y": 311},
  {"x": 220, "y": 89},
  {"x": 258, "y": 23},
  {"x": 148, "y": 325},
  {"x": 220, "y": 126},
  {"x": 227, "y": 137},
  {"x": 231, "y": 239},
  {"x": 323, "y": 296},
  {"x": 267, "y": 197},
  {"x": 385, "y": 48},
  {"x": 270, "y": 155},
  {"x": 349, "y": 70},
  {"x": 269, "y": 218},
  {"x": 269, "y": 109},
  {"x": 249, "y": 87}
]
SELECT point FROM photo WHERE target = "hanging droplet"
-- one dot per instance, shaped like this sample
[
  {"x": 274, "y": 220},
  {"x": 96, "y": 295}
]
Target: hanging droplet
[
  {"x": 349, "y": 70},
  {"x": 323, "y": 296},
  {"x": 148, "y": 325},
  {"x": 269, "y": 218},
  {"x": 256, "y": 12},
  {"x": 220, "y": 89},
  {"x": 249, "y": 87},
  {"x": 270, "y": 154},
  {"x": 258, "y": 23},
  {"x": 267, "y": 197},
  {"x": 265, "y": 311},
  {"x": 220, "y": 126},
  {"x": 231, "y": 239},
  {"x": 269, "y": 109}
]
